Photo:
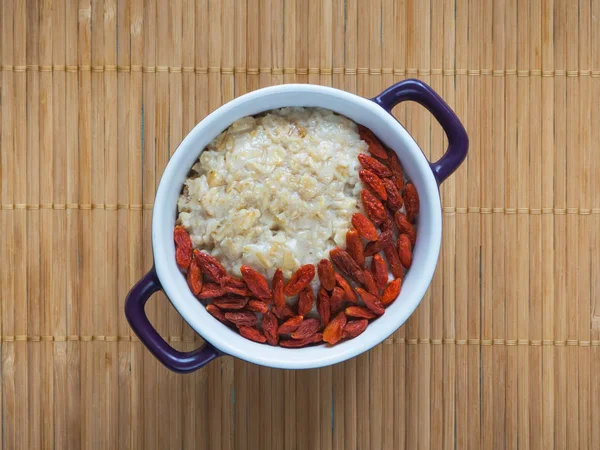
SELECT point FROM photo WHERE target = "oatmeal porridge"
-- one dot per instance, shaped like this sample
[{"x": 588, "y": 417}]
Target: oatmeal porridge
[{"x": 276, "y": 190}]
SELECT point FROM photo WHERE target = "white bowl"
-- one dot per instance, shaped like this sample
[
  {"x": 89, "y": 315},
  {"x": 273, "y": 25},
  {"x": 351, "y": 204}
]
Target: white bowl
[{"x": 373, "y": 114}]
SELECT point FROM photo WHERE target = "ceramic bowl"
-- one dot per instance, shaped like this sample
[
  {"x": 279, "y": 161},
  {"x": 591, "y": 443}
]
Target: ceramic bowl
[{"x": 373, "y": 113}]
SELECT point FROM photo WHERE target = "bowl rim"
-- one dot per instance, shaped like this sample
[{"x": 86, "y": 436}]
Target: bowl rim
[{"x": 213, "y": 331}]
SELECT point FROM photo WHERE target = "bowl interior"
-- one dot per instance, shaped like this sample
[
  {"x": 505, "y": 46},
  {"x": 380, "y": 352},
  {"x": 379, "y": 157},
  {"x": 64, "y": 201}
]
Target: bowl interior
[{"x": 358, "y": 109}]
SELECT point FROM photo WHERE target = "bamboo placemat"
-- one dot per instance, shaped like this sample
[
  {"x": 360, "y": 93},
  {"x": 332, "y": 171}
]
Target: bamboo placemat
[{"x": 502, "y": 352}]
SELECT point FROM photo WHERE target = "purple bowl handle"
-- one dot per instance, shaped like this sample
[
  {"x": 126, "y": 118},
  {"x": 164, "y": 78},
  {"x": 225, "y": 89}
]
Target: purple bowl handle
[
  {"x": 182, "y": 362},
  {"x": 417, "y": 91}
]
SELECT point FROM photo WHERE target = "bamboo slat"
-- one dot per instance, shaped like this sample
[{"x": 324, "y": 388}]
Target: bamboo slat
[
  {"x": 547, "y": 193},
  {"x": 462, "y": 233},
  {"x": 448, "y": 194},
  {"x": 535, "y": 225},
  {"x": 7, "y": 163},
  {"x": 149, "y": 366},
  {"x": 573, "y": 195},
  {"x": 126, "y": 223},
  {"x": 33, "y": 222},
  {"x": 560, "y": 223},
  {"x": 96, "y": 95},
  {"x": 584, "y": 280},
  {"x": 595, "y": 247},
  {"x": 487, "y": 236},
  {"x": 20, "y": 228}
]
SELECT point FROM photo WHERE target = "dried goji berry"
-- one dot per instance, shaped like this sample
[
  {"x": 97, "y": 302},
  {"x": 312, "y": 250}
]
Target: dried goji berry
[
  {"x": 370, "y": 163},
  {"x": 183, "y": 247},
  {"x": 242, "y": 318},
  {"x": 194, "y": 277},
  {"x": 233, "y": 282},
  {"x": 182, "y": 238},
  {"x": 235, "y": 286},
  {"x": 375, "y": 247},
  {"x": 257, "y": 306},
  {"x": 183, "y": 257},
  {"x": 374, "y": 208},
  {"x": 391, "y": 292},
  {"x": 283, "y": 313},
  {"x": 211, "y": 266},
  {"x": 379, "y": 269},
  {"x": 405, "y": 250},
  {"x": 297, "y": 343},
  {"x": 290, "y": 325},
  {"x": 396, "y": 168},
  {"x": 405, "y": 227},
  {"x": 346, "y": 264},
  {"x": 211, "y": 290},
  {"x": 374, "y": 182},
  {"x": 218, "y": 314},
  {"x": 326, "y": 274},
  {"x": 372, "y": 248},
  {"x": 256, "y": 283},
  {"x": 375, "y": 147},
  {"x": 336, "y": 301},
  {"x": 349, "y": 293},
  {"x": 323, "y": 305},
  {"x": 394, "y": 199},
  {"x": 354, "y": 246},
  {"x": 307, "y": 328},
  {"x": 364, "y": 226},
  {"x": 269, "y": 327},
  {"x": 399, "y": 184},
  {"x": 238, "y": 291},
  {"x": 370, "y": 284},
  {"x": 335, "y": 329},
  {"x": 230, "y": 302},
  {"x": 371, "y": 301},
  {"x": 387, "y": 226},
  {"x": 393, "y": 259},
  {"x": 360, "y": 312},
  {"x": 411, "y": 202},
  {"x": 253, "y": 334},
  {"x": 300, "y": 279},
  {"x": 306, "y": 299},
  {"x": 354, "y": 328},
  {"x": 278, "y": 295}
]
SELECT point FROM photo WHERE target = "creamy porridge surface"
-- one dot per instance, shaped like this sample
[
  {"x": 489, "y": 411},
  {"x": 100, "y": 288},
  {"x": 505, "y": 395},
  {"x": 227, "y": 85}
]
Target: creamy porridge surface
[{"x": 276, "y": 190}]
